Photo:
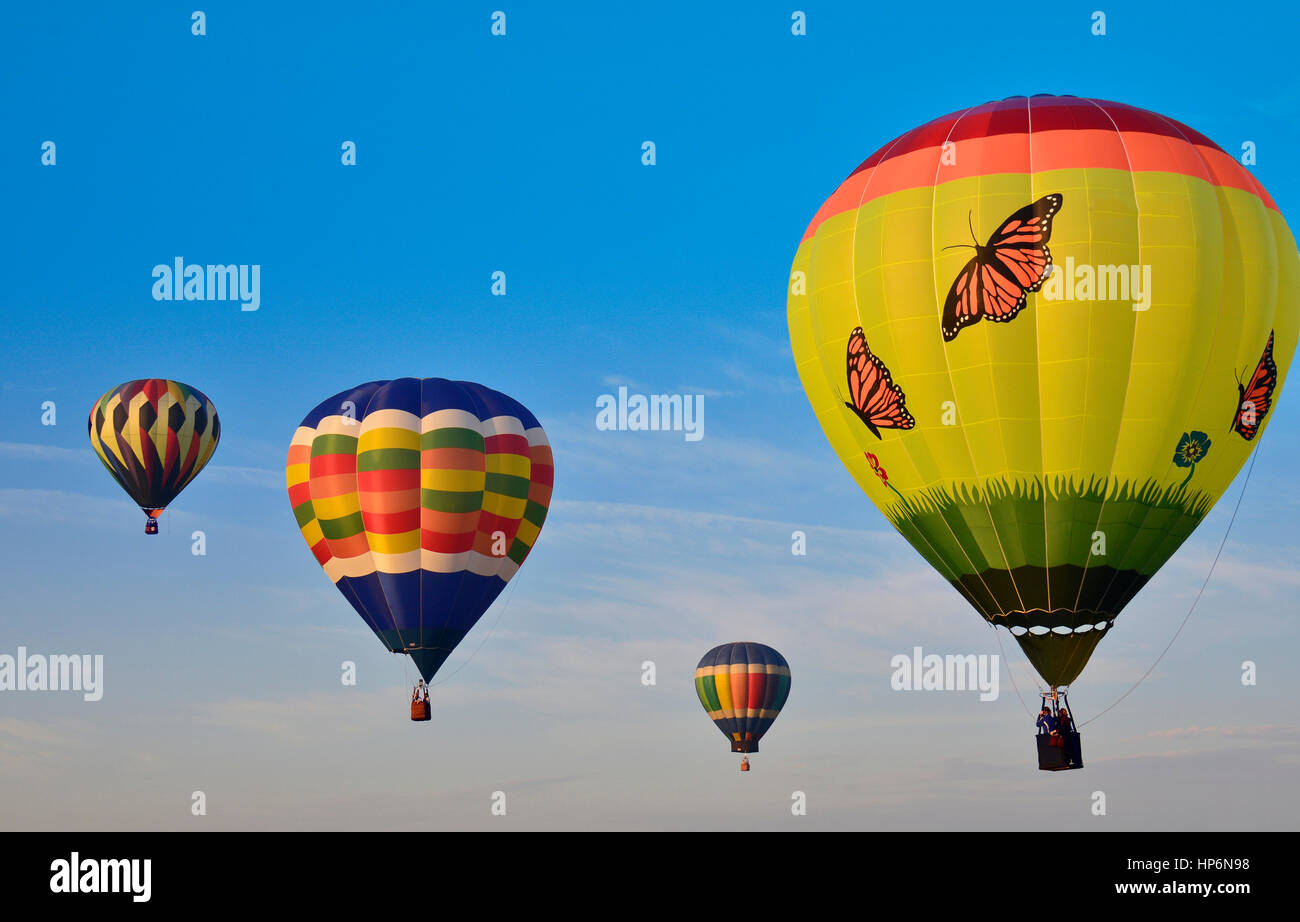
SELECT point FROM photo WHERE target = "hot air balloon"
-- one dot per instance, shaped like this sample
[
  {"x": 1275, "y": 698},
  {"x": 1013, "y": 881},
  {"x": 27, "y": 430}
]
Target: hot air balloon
[
  {"x": 1024, "y": 328},
  {"x": 154, "y": 436},
  {"x": 743, "y": 687},
  {"x": 420, "y": 499}
]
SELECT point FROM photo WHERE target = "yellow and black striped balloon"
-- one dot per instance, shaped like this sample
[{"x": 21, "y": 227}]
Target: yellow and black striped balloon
[{"x": 154, "y": 436}]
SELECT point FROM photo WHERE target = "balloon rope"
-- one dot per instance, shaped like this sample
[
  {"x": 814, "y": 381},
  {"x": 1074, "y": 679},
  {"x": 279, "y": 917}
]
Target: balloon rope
[
  {"x": 1006, "y": 661},
  {"x": 501, "y": 610},
  {"x": 1195, "y": 601}
]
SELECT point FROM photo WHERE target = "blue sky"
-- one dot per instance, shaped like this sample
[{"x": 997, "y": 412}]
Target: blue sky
[{"x": 522, "y": 154}]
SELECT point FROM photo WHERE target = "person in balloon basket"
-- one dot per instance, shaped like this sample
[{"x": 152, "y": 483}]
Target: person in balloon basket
[
  {"x": 1065, "y": 727},
  {"x": 1048, "y": 724},
  {"x": 1064, "y": 724}
]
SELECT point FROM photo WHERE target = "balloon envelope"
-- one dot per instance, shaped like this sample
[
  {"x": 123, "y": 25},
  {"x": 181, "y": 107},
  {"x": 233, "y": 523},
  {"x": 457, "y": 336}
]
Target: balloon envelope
[
  {"x": 743, "y": 687},
  {"x": 420, "y": 499},
  {"x": 1043, "y": 335},
  {"x": 154, "y": 436}
]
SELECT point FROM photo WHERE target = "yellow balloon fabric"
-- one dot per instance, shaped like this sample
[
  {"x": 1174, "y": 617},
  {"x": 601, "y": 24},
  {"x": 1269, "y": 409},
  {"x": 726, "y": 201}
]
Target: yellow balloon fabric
[{"x": 1043, "y": 335}]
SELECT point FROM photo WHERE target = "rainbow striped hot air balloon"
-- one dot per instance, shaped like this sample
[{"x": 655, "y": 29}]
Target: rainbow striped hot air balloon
[
  {"x": 1043, "y": 334},
  {"x": 154, "y": 436},
  {"x": 420, "y": 499},
  {"x": 743, "y": 687}
]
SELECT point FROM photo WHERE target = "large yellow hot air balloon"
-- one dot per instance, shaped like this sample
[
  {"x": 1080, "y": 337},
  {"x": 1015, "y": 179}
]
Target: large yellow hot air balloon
[{"x": 1043, "y": 335}]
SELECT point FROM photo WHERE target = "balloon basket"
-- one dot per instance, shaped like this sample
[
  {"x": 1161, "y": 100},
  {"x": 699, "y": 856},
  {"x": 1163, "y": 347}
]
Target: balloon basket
[
  {"x": 1067, "y": 755},
  {"x": 420, "y": 701},
  {"x": 744, "y": 765},
  {"x": 151, "y": 526}
]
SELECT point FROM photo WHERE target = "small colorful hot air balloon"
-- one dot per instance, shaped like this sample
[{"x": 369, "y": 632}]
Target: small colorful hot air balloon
[
  {"x": 743, "y": 687},
  {"x": 154, "y": 436},
  {"x": 1023, "y": 326},
  {"x": 420, "y": 499}
]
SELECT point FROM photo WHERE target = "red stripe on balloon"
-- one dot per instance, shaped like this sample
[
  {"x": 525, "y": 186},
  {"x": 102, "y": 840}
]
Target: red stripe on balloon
[
  {"x": 388, "y": 480},
  {"x": 446, "y": 544},
  {"x": 324, "y": 465},
  {"x": 506, "y": 444},
  {"x": 390, "y": 523}
]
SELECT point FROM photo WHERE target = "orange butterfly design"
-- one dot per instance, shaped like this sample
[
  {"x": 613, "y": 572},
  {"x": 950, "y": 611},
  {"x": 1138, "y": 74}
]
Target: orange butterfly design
[
  {"x": 1255, "y": 399},
  {"x": 875, "y": 398},
  {"x": 1014, "y": 262}
]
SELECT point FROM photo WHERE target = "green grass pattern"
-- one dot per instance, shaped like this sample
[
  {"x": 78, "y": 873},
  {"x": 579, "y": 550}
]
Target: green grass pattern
[{"x": 1005, "y": 523}]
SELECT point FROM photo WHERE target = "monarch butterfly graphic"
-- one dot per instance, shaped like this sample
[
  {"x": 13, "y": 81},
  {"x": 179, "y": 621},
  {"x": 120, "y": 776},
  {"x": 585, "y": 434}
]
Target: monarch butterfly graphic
[
  {"x": 1255, "y": 399},
  {"x": 1014, "y": 262},
  {"x": 875, "y": 398}
]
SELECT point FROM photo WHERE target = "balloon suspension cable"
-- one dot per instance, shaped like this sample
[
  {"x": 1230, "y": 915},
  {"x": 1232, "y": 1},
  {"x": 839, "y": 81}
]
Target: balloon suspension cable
[
  {"x": 1006, "y": 661},
  {"x": 1231, "y": 521},
  {"x": 1200, "y": 592},
  {"x": 501, "y": 610},
  {"x": 407, "y": 667}
]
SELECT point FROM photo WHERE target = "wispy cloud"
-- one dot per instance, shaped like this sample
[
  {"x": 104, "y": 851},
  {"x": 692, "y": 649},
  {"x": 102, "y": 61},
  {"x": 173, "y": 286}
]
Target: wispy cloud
[
  {"x": 36, "y": 452},
  {"x": 253, "y": 476}
]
